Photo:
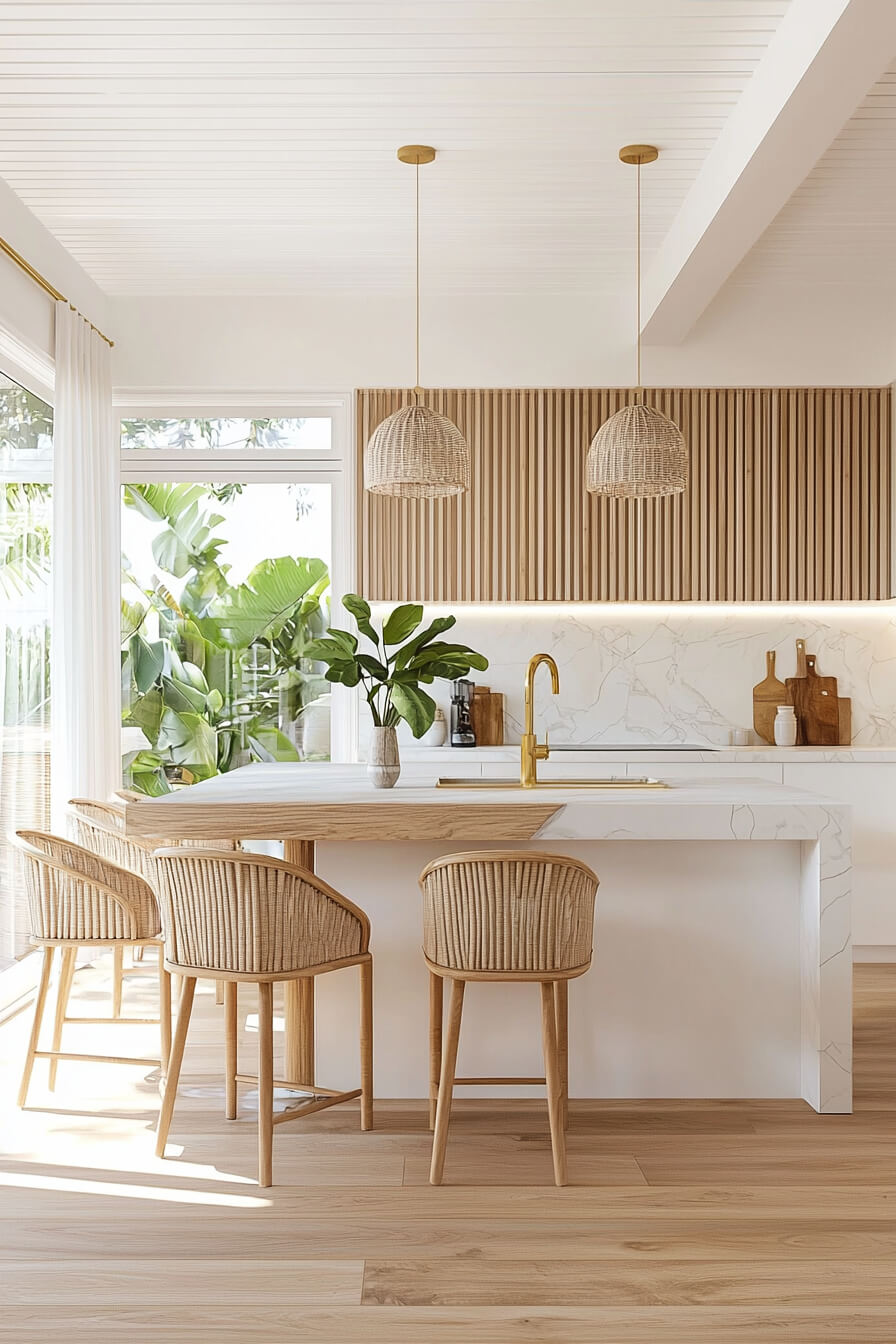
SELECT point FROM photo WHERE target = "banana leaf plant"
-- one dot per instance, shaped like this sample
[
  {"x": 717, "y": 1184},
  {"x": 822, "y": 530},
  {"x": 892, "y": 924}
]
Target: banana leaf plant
[
  {"x": 404, "y": 659},
  {"x": 204, "y": 687}
]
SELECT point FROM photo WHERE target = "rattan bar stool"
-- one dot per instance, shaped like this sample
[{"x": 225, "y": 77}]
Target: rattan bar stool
[
  {"x": 100, "y": 827},
  {"x": 76, "y": 899},
  {"x": 242, "y": 917},
  {"x": 505, "y": 915}
]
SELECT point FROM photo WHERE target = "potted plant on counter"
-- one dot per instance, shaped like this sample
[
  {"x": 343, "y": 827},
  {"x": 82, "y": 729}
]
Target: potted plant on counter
[{"x": 403, "y": 659}]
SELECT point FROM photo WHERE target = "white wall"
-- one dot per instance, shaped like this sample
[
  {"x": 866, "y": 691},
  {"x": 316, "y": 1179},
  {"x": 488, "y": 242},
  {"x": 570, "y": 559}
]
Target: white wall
[
  {"x": 24, "y": 307},
  {"x": 750, "y": 336}
]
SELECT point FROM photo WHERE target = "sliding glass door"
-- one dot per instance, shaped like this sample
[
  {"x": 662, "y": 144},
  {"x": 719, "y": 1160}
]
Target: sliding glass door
[{"x": 26, "y": 449}]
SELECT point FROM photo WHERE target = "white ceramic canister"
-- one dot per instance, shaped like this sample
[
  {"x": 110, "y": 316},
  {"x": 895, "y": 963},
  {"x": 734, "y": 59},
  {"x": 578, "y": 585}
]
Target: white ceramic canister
[
  {"x": 785, "y": 726},
  {"x": 436, "y": 733}
]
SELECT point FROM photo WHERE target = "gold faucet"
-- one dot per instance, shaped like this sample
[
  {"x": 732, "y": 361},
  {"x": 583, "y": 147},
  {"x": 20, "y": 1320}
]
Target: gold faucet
[{"x": 531, "y": 751}]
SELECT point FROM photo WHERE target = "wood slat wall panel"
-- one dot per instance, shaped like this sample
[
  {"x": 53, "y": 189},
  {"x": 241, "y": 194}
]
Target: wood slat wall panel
[{"x": 789, "y": 501}]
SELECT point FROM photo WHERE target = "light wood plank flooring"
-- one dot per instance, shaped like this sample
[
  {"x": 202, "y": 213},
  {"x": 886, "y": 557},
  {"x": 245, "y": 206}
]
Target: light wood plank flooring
[{"x": 687, "y": 1222}]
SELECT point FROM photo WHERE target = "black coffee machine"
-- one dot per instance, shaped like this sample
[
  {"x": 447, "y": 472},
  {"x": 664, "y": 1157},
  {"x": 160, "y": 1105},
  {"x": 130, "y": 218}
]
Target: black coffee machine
[{"x": 462, "y": 734}]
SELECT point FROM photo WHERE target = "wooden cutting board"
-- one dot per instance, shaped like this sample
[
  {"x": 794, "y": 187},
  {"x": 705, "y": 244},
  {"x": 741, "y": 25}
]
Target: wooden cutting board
[
  {"x": 801, "y": 658},
  {"x": 487, "y": 712},
  {"x": 767, "y": 696},
  {"x": 844, "y": 706},
  {"x": 817, "y": 707}
]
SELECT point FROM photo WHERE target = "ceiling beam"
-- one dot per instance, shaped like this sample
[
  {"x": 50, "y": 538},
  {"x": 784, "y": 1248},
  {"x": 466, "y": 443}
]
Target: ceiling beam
[{"x": 818, "y": 67}]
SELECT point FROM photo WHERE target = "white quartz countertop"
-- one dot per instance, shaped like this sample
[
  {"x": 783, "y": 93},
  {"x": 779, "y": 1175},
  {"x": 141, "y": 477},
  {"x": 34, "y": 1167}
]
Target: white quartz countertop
[{"x": 326, "y": 784}]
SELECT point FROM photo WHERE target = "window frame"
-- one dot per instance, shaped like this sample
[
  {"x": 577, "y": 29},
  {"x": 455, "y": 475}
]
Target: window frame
[
  {"x": 34, "y": 372},
  {"x": 335, "y": 468}
]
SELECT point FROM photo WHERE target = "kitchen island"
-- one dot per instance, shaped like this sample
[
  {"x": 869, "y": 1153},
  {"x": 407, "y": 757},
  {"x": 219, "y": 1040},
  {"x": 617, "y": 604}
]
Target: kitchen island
[{"x": 723, "y": 959}]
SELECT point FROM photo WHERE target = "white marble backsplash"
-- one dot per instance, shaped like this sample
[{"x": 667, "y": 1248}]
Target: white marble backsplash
[{"x": 676, "y": 674}]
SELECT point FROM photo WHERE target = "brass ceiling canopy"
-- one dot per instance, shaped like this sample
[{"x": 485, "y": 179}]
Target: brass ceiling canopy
[
  {"x": 638, "y": 453},
  {"x": 639, "y": 154},
  {"x": 416, "y": 154}
]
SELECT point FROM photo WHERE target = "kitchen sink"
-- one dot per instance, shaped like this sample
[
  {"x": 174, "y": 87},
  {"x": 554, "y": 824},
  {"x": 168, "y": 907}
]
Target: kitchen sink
[{"x": 643, "y": 783}]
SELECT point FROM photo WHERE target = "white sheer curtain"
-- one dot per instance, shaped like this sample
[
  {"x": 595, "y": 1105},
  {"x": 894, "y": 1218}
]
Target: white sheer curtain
[{"x": 86, "y": 582}]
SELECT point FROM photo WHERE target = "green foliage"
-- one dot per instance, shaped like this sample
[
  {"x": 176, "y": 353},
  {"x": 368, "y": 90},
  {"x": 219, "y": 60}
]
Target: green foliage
[
  {"x": 392, "y": 680},
  {"x": 26, "y": 424},
  {"x": 206, "y": 691}
]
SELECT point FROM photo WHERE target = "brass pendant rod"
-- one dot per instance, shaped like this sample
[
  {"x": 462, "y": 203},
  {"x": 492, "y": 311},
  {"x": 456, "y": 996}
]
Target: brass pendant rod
[
  {"x": 45, "y": 285},
  {"x": 638, "y": 286},
  {"x": 417, "y": 388}
]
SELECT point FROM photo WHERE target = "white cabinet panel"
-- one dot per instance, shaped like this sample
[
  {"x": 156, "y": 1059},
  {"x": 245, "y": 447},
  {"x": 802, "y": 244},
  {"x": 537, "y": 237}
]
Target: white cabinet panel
[
  {"x": 870, "y": 790},
  {"x": 558, "y": 768},
  {"x": 703, "y": 771},
  {"x": 426, "y": 772}
]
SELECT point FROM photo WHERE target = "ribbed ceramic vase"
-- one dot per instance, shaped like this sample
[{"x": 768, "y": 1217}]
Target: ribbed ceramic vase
[{"x": 383, "y": 763}]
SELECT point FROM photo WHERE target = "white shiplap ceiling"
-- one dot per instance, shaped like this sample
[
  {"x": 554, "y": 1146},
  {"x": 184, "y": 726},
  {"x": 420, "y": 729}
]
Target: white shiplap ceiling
[
  {"x": 839, "y": 227},
  {"x": 225, "y": 148}
]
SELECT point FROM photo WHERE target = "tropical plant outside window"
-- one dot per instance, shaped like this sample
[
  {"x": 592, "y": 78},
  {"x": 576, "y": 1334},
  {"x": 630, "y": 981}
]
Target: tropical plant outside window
[
  {"x": 26, "y": 446},
  {"x": 283, "y": 434},
  {"x": 223, "y": 587}
]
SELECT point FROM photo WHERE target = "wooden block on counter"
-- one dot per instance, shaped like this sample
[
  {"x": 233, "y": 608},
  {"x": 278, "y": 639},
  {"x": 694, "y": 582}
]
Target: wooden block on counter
[{"x": 487, "y": 712}]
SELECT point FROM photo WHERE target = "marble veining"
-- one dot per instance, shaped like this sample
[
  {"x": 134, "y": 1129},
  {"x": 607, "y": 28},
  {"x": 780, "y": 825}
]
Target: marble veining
[{"x": 682, "y": 676}]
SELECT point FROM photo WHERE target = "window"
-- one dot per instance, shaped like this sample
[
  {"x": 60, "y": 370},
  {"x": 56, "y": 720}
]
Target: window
[
  {"x": 228, "y": 571},
  {"x": 239, "y": 435},
  {"x": 26, "y": 447}
]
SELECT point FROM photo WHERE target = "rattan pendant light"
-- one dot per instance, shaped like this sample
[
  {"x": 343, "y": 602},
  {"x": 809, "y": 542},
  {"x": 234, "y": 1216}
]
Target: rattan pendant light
[
  {"x": 639, "y": 453},
  {"x": 415, "y": 452}
]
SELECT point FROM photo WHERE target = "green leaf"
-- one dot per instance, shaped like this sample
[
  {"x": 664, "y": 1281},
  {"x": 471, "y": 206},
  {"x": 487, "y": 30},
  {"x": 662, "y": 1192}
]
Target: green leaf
[
  {"x": 147, "y": 661},
  {"x": 171, "y": 554},
  {"x": 330, "y": 650},
  {"x": 414, "y": 706},
  {"x": 182, "y": 697},
  {"x": 361, "y": 612},
  {"x": 438, "y": 627},
  {"x": 132, "y": 616},
  {"x": 146, "y": 714},
  {"x": 215, "y": 701},
  {"x": 148, "y": 774},
  {"x": 269, "y": 744},
  {"x": 259, "y": 608},
  {"x": 344, "y": 639},
  {"x": 447, "y": 660},
  {"x": 191, "y": 740},
  {"x": 373, "y": 666},
  {"x": 193, "y": 675},
  {"x": 401, "y": 622},
  {"x": 347, "y": 672}
]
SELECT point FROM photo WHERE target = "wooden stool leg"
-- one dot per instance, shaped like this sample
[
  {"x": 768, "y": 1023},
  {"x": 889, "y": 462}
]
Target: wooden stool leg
[
  {"x": 552, "y": 1079},
  {"x": 164, "y": 1016},
  {"x": 219, "y": 993},
  {"x": 561, "y": 1006},
  {"x": 265, "y": 1081},
  {"x": 366, "y": 969},
  {"x": 230, "y": 1041},
  {"x": 63, "y": 990},
  {"x": 117, "y": 978},
  {"x": 175, "y": 1060},
  {"x": 446, "y": 1082},
  {"x": 39, "y": 1005},
  {"x": 436, "y": 1002}
]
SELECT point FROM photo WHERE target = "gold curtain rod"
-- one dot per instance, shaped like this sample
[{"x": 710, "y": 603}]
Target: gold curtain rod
[{"x": 46, "y": 286}]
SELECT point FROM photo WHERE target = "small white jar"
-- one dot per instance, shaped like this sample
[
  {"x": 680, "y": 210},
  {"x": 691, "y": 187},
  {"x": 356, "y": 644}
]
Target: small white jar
[
  {"x": 436, "y": 733},
  {"x": 785, "y": 726}
]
